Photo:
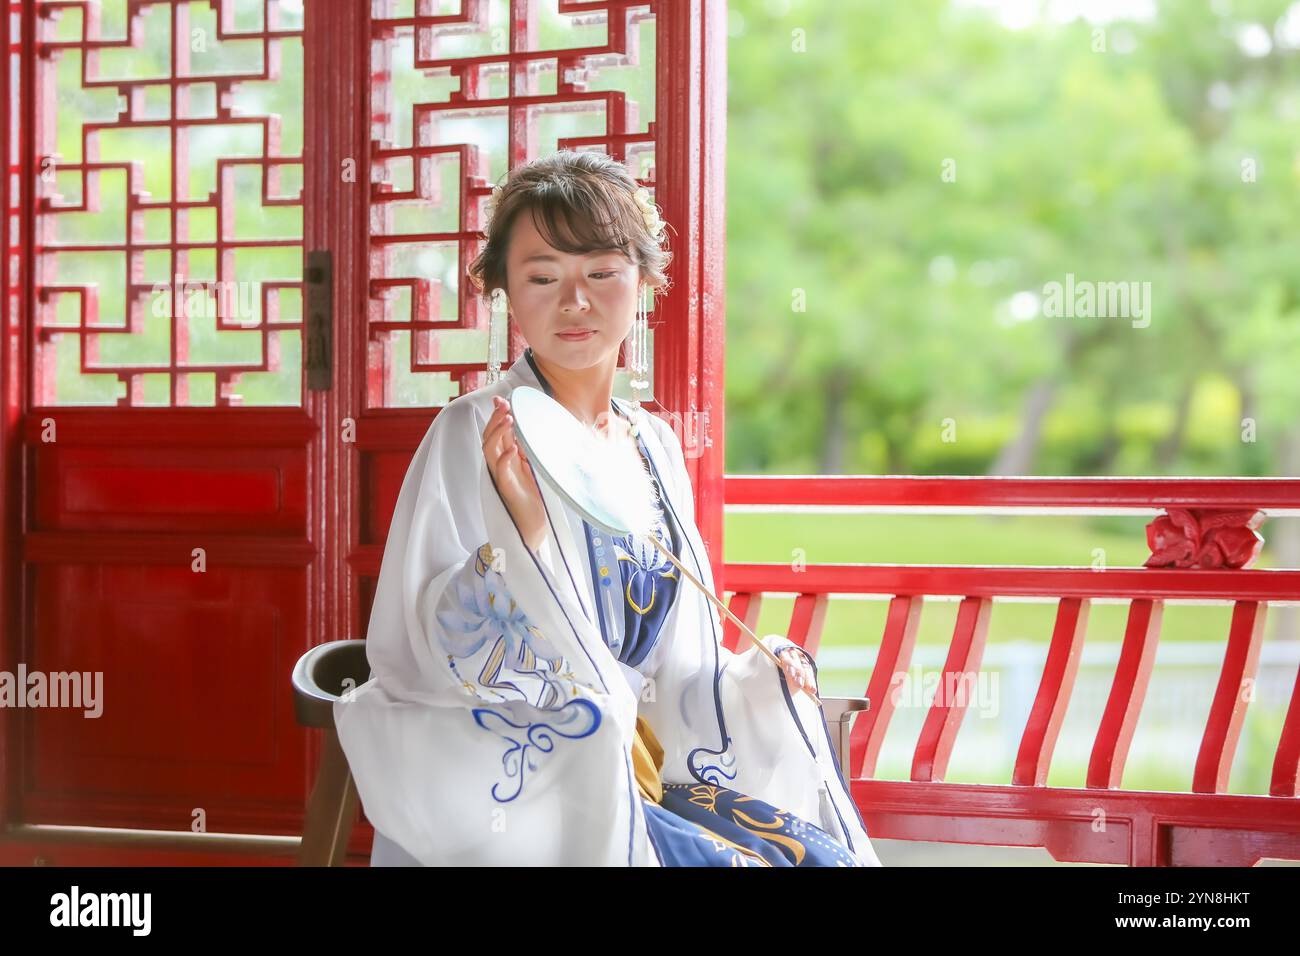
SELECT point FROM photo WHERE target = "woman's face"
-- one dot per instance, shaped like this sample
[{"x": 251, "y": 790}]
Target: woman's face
[{"x": 553, "y": 292}]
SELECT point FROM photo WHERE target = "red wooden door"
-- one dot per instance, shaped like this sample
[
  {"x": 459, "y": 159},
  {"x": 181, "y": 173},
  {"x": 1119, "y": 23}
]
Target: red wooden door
[
  {"x": 235, "y": 236},
  {"x": 167, "y": 457}
]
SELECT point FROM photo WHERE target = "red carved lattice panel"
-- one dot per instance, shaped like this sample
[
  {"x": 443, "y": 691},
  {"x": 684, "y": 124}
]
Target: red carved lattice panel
[
  {"x": 462, "y": 92},
  {"x": 169, "y": 211}
]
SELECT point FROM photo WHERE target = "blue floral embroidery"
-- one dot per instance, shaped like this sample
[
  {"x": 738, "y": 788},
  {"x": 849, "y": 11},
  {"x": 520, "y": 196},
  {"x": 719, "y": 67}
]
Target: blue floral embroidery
[
  {"x": 482, "y": 624},
  {"x": 649, "y": 586},
  {"x": 578, "y": 718},
  {"x": 483, "y": 627},
  {"x": 648, "y": 564}
]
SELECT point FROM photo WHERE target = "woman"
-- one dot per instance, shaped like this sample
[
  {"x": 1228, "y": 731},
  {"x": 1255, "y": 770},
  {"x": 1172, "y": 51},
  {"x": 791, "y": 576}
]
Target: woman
[{"x": 542, "y": 694}]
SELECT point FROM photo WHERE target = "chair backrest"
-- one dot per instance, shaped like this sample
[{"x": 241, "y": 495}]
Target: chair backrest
[{"x": 323, "y": 675}]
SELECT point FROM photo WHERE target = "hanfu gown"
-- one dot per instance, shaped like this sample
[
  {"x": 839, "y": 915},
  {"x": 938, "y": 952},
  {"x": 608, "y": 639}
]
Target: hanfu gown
[{"x": 493, "y": 650}]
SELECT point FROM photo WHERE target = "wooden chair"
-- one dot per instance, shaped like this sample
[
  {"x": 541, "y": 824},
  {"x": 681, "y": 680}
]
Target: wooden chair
[{"x": 319, "y": 680}]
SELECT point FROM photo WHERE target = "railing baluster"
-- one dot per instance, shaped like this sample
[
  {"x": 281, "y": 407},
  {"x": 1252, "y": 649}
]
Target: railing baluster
[
  {"x": 893, "y": 659},
  {"x": 1228, "y": 710},
  {"x": 1286, "y": 765},
  {"x": 745, "y": 605},
  {"x": 944, "y": 718},
  {"x": 1053, "y": 698},
  {"x": 806, "y": 621},
  {"x": 1124, "y": 705}
]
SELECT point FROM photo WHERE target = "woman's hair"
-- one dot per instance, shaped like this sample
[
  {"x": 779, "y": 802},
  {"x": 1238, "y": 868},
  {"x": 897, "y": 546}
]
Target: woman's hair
[{"x": 580, "y": 202}]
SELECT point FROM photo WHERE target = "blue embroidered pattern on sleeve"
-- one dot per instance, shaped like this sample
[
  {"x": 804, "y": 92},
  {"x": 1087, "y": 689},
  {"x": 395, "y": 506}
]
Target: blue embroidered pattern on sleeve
[
  {"x": 486, "y": 634},
  {"x": 578, "y": 718}
]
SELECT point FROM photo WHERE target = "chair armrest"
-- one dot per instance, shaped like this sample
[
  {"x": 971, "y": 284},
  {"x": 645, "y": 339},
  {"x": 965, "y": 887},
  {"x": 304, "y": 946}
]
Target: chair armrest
[
  {"x": 842, "y": 708},
  {"x": 839, "y": 712}
]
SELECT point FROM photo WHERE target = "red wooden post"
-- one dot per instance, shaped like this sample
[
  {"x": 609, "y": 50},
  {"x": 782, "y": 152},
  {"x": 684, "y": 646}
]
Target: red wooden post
[
  {"x": 16, "y": 204},
  {"x": 689, "y": 372}
]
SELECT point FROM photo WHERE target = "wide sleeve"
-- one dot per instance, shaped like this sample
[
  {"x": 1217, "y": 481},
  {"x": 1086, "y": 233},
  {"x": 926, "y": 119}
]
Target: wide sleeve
[
  {"x": 445, "y": 613},
  {"x": 491, "y": 710}
]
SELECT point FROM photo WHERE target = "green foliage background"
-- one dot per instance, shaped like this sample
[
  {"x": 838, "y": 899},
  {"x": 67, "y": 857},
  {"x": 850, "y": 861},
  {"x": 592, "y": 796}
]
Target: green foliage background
[{"x": 1123, "y": 163}]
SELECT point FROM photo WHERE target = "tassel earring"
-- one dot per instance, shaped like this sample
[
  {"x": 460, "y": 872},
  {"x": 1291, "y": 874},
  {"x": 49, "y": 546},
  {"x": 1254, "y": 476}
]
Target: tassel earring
[
  {"x": 638, "y": 350},
  {"x": 497, "y": 320}
]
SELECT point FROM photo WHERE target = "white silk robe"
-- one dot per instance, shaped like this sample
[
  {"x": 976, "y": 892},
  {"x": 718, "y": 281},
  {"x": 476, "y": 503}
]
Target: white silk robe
[{"x": 497, "y": 726}]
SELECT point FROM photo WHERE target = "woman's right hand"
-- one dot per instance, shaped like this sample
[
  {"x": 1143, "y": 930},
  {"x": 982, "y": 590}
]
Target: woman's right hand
[{"x": 513, "y": 475}]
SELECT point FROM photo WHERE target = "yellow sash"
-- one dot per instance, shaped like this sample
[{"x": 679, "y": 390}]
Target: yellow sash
[{"x": 648, "y": 761}]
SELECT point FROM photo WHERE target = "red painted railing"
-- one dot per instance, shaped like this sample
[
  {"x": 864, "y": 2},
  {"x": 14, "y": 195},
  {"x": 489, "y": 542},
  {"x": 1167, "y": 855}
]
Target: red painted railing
[{"x": 1202, "y": 546}]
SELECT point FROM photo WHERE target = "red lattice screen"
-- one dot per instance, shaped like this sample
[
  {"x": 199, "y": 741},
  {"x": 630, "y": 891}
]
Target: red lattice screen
[
  {"x": 169, "y": 216},
  {"x": 458, "y": 98}
]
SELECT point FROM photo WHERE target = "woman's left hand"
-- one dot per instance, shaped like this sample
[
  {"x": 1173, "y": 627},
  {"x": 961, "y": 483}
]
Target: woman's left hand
[{"x": 798, "y": 672}]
